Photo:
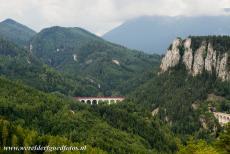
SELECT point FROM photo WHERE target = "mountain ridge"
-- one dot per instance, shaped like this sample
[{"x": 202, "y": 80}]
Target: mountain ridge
[
  {"x": 79, "y": 52},
  {"x": 16, "y": 32}
]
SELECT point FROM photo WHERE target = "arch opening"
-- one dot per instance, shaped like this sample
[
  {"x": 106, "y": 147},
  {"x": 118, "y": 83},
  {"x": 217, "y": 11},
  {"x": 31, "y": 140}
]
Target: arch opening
[
  {"x": 94, "y": 102},
  {"x": 88, "y": 102}
]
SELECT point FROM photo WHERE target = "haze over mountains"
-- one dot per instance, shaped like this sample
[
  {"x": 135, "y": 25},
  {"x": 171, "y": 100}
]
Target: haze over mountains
[{"x": 153, "y": 34}]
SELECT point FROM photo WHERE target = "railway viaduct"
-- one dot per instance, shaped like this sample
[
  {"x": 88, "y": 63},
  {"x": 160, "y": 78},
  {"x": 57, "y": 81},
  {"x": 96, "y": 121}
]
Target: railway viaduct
[
  {"x": 223, "y": 118},
  {"x": 97, "y": 100}
]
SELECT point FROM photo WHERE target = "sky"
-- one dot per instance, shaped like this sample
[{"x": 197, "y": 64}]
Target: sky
[{"x": 100, "y": 16}]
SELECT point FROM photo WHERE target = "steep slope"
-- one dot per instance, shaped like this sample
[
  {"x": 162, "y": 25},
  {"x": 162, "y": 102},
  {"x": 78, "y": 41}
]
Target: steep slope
[
  {"x": 192, "y": 72},
  {"x": 15, "y": 32},
  {"x": 146, "y": 33},
  {"x": 199, "y": 54},
  {"x": 58, "y": 115},
  {"x": 19, "y": 64},
  {"x": 80, "y": 53}
]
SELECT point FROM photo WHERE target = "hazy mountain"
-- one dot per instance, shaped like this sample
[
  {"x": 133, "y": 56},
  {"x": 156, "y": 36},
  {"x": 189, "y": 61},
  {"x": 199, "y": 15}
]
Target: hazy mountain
[
  {"x": 152, "y": 34},
  {"x": 15, "y": 32},
  {"x": 80, "y": 53}
]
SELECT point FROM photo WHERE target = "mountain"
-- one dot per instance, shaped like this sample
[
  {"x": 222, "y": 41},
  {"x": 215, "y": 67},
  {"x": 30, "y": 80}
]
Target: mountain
[
  {"x": 80, "y": 53},
  {"x": 193, "y": 77},
  {"x": 152, "y": 34},
  {"x": 65, "y": 118},
  {"x": 15, "y": 32},
  {"x": 20, "y": 64},
  {"x": 166, "y": 102}
]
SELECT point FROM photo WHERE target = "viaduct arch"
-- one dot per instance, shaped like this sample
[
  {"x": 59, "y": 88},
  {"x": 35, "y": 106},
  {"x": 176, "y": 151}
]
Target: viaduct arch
[
  {"x": 98, "y": 100},
  {"x": 223, "y": 118}
]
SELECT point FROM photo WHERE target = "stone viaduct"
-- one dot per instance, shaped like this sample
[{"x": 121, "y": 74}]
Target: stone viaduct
[
  {"x": 223, "y": 118},
  {"x": 98, "y": 100}
]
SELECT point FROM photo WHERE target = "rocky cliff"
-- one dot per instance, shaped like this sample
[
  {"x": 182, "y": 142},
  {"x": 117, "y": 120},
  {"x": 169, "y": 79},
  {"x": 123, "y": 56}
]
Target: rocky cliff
[{"x": 204, "y": 57}]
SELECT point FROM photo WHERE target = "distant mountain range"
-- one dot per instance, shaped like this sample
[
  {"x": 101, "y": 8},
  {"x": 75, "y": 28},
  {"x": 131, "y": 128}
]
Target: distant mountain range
[{"x": 153, "y": 34}]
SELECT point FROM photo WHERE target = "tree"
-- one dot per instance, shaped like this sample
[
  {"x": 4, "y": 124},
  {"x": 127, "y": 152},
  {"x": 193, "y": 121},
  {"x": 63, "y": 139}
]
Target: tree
[
  {"x": 223, "y": 143},
  {"x": 197, "y": 147}
]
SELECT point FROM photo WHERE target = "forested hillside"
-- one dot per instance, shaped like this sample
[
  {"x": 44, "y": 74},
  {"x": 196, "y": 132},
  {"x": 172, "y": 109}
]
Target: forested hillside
[
  {"x": 13, "y": 134},
  {"x": 167, "y": 107},
  {"x": 20, "y": 64},
  {"x": 53, "y": 114},
  {"x": 182, "y": 99},
  {"x": 79, "y": 53},
  {"x": 88, "y": 65}
]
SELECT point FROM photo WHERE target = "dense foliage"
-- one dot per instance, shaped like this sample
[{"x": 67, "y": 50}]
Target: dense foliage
[
  {"x": 165, "y": 110},
  {"x": 19, "y": 64},
  {"x": 130, "y": 118},
  {"x": 220, "y": 146},
  {"x": 12, "y": 135},
  {"x": 58, "y": 115},
  {"x": 178, "y": 96},
  {"x": 80, "y": 53}
]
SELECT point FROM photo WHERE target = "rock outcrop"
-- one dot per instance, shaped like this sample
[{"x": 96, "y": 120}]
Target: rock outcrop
[
  {"x": 188, "y": 57},
  {"x": 210, "y": 60},
  {"x": 198, "y": 65},
  {"x": 172, "y": 57},
  {"x": 204, "y": 58}
]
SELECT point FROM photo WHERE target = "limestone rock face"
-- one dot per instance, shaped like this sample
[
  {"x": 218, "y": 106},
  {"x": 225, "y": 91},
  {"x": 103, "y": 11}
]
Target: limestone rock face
[
  {"x": 205, "y": 58},
  {"x": 172, "y": 57},
  {"x": 116, "y": 62},
  {"x": 210, "y": 60},
  {"x": 222, "y": 68},
  {"x": 188, "y": 57},
  {"x": 155, "y": 112},
  {"x": 198, "y": 65},
  {"x": 75, "y": 57}
]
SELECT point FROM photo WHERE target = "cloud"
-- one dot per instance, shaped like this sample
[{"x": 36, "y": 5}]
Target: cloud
[
  {"x": 227, "y": 9},
  {"x": 100, "y": 16}
]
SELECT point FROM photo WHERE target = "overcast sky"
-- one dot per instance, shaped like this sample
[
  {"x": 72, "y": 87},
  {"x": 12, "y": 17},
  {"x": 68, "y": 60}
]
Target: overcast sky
[{"x": 99, "y": 16}]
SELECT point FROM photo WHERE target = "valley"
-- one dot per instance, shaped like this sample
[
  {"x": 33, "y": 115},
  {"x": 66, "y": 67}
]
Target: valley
[{"x": 67, "y": 86}]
